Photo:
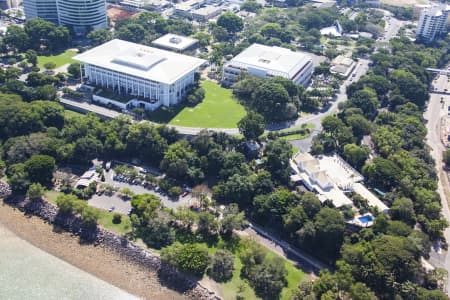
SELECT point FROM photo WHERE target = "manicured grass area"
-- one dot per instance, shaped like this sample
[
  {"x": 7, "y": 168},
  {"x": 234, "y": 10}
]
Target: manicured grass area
[
  {"x": 219, "y": 109},
  {"x": 105, "y": 218},
  {"x": 295, "y": 136},
  {"x": 71, "y": 114},
  {"x": 59, "y": 60},
  {"x": 292, "y": 133},
  {"x": 51, "y": 196},
  {"x": 295, "y": 128},
  {"x": 230, "y": 289},
  {"x": 238, "y": 285}
]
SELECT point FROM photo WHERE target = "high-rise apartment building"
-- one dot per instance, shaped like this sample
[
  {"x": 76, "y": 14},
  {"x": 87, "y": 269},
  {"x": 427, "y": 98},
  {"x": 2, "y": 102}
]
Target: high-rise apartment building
[
  {"x": 44, "y": 9},
  {"x": 432, "y": 22},
  {"x": 80, "y": 15},
  {"x": 6, "y": 4}
]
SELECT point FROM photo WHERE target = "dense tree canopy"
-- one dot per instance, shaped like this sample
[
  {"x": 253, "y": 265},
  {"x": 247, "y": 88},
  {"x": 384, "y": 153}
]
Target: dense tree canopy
[
  {"x": 252, "y": 125},
  {"x": 231, "y": 22}
]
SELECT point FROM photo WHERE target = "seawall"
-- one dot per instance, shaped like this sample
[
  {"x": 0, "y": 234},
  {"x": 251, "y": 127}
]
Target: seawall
[{"x": 167, "y": 275}]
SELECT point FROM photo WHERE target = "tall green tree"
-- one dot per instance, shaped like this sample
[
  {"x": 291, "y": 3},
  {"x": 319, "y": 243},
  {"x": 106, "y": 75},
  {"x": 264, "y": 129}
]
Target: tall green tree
[
  {"x": 252, "y": 125},
  {"x": 231, "y": 22},
  {"x": 40, "y": 169}
]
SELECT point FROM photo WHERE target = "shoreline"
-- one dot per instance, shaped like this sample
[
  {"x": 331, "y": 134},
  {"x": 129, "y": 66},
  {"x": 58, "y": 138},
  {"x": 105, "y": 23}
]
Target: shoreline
[{"x": 99, "y": 261}]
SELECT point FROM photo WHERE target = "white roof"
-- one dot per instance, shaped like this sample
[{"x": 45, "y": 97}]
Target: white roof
[
  {"x": 332, "y": 30},
  {"x": 174, "y": 41},
  {"x": 371, "y": 198},
  {"x": 274, "y": 60},
  {"x": 140, "y": 61},
  {"x": 206, "y": 11}
]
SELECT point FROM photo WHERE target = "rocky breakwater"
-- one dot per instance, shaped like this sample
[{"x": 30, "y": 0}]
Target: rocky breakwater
[{"x": 168, "y": 276}]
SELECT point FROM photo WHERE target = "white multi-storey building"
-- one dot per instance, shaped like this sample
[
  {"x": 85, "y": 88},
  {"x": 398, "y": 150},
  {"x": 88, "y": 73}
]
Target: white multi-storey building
[
  {"x": 156, "y": 77},
  {"x": 81, "y": 15},
  {"x": 432, "y": 22},
  {"x": 269, "y": 61}
]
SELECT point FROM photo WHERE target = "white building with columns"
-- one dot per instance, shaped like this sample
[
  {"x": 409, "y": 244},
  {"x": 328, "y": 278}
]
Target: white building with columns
[{"x": 156, "y": 77}]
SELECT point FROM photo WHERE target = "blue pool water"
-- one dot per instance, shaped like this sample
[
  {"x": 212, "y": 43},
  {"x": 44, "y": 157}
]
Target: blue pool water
[{"x": 365, "y": 219}]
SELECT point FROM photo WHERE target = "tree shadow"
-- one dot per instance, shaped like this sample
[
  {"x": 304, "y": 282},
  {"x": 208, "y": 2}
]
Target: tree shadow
[{"x": 163, "y": 114}]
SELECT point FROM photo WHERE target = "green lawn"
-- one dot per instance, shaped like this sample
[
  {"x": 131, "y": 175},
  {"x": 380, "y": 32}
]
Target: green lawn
[
  {"x": 231, "y": 288},
  {"x": 237, "y": 285},
  {"x": 71, "y": 114},
  {"x": 219, "y": 109},
  {"x": 59, "y": 60},
  {"x": 292, "y": 133},
  {"x": 295, "y": 136},
  {"x": 105, "y": 218}
]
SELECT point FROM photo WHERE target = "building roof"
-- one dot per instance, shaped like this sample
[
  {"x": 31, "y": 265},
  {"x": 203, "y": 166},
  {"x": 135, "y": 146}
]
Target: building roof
[
  {"x": 176, "y": 42},
  {"x": 275, "y": 60},
  {"x": 188, "y": 5},
  {"x": 206, "y": 11},
  {"x": 140, "y": 61},
  {"x": 312, "y": 166},
  {"x": 322, "y": 178},
  {"x": 301, "y": 157},
  {"x": 342, "y": 60},
  {"x": 332, "y": 31}
]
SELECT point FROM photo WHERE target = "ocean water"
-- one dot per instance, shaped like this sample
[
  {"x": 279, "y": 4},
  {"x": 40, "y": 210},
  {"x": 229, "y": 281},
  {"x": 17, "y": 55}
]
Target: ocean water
[{"x": 27, "y": 272}]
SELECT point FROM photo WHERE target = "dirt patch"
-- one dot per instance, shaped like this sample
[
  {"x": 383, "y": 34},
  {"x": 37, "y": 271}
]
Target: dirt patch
[{"x": 116, "y": 14}]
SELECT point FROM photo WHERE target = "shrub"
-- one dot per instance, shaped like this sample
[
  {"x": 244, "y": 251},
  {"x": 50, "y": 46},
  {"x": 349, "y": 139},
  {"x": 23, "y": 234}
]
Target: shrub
[
  {"x": 188, "y": 258},
  {"x": 117, "y": 218},
  {"x": 49, "y": 65},
  {"x": 221, "y": 266},
  {"x": 35, "y": 191},
  {"x": 174, "y": 191},
  {"x": 11, "y": 61}
]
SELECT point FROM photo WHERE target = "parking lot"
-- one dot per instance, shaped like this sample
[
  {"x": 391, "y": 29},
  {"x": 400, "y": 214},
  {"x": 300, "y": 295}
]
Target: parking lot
[{"x": 124, "y": 206}]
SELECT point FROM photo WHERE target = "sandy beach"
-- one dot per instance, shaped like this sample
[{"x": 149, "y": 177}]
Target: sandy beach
[{"x": 98, "y": 261}]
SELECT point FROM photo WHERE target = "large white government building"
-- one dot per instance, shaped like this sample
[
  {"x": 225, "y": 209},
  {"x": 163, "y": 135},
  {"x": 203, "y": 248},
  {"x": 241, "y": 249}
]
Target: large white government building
[
  {"x": 156, "y": 77},
  {"x": 269, "y": 61}
]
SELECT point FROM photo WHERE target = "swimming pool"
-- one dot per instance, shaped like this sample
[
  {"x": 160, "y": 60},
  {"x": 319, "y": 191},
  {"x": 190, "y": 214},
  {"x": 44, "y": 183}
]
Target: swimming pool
[{"x": 365, "y": 219}]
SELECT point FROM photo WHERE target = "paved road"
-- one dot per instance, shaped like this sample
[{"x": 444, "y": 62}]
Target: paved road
[
  {"x": 392, "y": 27},
  {"x": 111, "y": 114},
  {"x": 316, "y": 119},
  {"x": 434, "y": 114}
]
